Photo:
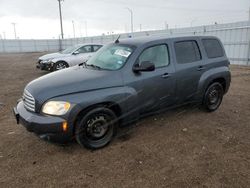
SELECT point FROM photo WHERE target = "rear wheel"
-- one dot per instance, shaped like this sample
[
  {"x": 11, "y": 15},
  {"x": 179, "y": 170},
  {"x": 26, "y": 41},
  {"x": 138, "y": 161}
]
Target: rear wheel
[
  {"x": 96, "y": 129},
  {"x": 60, "y": 65},
  {"x": 213, "y": 97}
]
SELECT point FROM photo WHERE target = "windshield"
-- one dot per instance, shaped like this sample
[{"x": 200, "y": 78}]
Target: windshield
[
  {"x": 70, "y": 49},
  {"x": 111, "y": 57}
]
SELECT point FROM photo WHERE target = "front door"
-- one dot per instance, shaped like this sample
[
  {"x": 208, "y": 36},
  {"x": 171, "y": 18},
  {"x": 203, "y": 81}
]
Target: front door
[
  {"x": 155, "y": 89},
  {"x": 83, "y": 54}
]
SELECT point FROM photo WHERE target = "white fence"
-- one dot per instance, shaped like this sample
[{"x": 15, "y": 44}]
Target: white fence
[{"x": 235, "y": 37}]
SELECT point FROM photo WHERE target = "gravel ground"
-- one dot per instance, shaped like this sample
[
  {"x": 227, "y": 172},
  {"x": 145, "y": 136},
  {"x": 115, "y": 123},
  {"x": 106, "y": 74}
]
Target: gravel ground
[{"x": 185, "y": 147}]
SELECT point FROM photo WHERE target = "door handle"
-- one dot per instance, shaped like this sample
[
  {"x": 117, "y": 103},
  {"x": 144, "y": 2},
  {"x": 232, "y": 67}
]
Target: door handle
[
  {"x": 200, "y": 68},
  {"x": 165, "y": 75}
]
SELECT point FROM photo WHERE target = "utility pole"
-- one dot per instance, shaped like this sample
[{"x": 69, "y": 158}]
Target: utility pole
[
  {"x": 131, "y": 19},
  {"x": 4, "y": 36},
  {"x": 248, "y": 54},
  {"x": 249, "y": 14},
  {"x": 126, "y": 28},
  {"x": 166, "y": 25},
  {"x": 86, "y": 29},
  {"x": 14, "y": 26},
  {"x": 73, "y": 24},
  {"x": 140, "y": 27},
  {"x": 80, "y": 30},
  {"x": 60, "y": 13},
  {"x": 192, "y": 22}
]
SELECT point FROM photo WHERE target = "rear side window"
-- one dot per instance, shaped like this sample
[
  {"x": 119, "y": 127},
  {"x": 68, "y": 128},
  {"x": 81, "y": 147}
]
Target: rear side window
[
  {"x": 96, "y": 47},
  {"x": 187, "y": 52},
  {"x": 213, "y": 48}
]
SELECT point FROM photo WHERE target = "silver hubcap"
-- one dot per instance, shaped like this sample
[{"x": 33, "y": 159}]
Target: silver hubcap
[{"x": 60, "y": 66}]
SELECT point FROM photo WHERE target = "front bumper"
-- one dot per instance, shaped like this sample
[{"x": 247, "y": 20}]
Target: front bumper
[
  {"x": 47, "y": 127},
  {"x": 44, "y": 66}
]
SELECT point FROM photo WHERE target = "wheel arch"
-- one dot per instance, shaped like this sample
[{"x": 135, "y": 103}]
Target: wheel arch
[
  {"x": 220, "y": 74},
  {"x": 221, "y": 80},
  {"x": 110, "y": 105},
  {"x": 58, "y": 61}
]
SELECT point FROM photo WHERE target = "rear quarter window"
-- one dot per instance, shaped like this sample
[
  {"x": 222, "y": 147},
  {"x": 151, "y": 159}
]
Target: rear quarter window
[{"x": 213, "y": 48}]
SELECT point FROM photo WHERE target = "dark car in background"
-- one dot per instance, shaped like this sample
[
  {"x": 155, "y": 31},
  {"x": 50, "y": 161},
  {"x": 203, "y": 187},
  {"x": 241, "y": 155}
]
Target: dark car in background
[{"x": 122, "y": 82}]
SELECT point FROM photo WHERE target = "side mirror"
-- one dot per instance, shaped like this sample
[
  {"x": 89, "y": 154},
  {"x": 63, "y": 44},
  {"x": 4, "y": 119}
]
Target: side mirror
[
  {"x": 146, "y": 66},
  {"x": 75, "y": 53}
]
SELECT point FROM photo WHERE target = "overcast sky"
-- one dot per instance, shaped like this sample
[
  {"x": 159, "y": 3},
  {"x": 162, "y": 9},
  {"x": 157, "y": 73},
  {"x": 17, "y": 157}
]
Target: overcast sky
[{"x": 40, "y": 18}]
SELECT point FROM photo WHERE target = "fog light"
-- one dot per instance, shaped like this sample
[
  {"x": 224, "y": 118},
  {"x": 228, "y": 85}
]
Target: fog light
[{"x": 65, "y": 126}]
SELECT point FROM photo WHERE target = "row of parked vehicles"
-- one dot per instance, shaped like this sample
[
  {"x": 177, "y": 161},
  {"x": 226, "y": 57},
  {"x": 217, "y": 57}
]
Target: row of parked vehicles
[{"x": 122, "y": 82}]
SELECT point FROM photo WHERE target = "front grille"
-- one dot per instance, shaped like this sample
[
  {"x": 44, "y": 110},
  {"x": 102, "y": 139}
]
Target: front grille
[{"x": 28, "y": 101}]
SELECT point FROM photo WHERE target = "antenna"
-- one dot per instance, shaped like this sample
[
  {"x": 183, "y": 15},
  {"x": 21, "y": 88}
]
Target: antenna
[{"x": 117, "y": 40}]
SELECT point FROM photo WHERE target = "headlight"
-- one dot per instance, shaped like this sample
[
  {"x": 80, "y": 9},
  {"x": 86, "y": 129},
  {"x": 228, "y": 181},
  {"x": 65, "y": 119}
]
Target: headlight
[
  {"x": 56, "y": 107},
  {"x": 46, "y": 61}
]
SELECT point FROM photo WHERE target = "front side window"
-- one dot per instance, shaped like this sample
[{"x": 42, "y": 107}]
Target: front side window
[
  {"x": 70, "y": 50},
  {"x": 158, "y": 55},
  {"x": 212, "y": 48},
  {"x": 84, "y": 49},
  {"x": 187, "y": 52},
  {"x": 111, "y": 57}
]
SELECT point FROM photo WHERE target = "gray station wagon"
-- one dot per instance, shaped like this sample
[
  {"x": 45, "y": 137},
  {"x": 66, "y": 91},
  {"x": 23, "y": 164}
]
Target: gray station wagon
[{"x": 122, "y": 82}]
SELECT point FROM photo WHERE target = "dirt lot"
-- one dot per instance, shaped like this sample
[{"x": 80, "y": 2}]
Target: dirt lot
[{"x": 182, "y": 148}]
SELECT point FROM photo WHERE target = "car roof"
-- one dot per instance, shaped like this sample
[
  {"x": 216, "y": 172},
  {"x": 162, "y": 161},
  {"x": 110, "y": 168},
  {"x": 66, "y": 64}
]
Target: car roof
[
  {"x": 85, "y": 44},
  {"x": 143, "y": 40}
]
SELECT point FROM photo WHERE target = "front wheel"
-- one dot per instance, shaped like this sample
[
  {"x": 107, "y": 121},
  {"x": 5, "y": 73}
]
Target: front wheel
[
  {"x": 60, "y": 65},
  {"x": 213, "y": 97},
  {"x": 96, "y": 129}
]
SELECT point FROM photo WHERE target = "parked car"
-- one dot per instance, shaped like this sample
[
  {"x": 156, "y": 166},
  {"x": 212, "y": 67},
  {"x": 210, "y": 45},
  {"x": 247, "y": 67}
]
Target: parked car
[
  {"x": 122, "y": 82},
  {"x": 68, "y": 57}
]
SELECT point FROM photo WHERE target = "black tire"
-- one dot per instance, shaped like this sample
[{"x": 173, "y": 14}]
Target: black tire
[
  {"x": 213, "y": 97},
  {"x": 96, "y": 129},
  {"x": 60, "y": 65}
]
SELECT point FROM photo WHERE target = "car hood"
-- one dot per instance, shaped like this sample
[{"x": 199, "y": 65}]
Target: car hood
[
  {"x": 72, "y": 80},
  {"x": 53, "y": 55}
]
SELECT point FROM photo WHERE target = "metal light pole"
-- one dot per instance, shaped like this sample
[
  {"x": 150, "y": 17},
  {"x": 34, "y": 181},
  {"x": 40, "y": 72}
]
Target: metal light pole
[
  {"x": 73, "y": 25},
  {"x": 249, "y": 14},
  {"x": 166, "y": 25},
  {"x": 60, "y": 12},
  {"x": 192, "y": 22},
  {"x": 4, "y": 36},
  {"x": 80, "y": 30},
  {"x": 14, "y": 26},
  {"x": 86, "y": 29},
  {"x": 131, "y": 19}
]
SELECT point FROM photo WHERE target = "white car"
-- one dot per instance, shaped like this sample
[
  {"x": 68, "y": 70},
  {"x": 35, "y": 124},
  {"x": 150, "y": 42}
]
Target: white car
[{"x": 68, "y": 57}]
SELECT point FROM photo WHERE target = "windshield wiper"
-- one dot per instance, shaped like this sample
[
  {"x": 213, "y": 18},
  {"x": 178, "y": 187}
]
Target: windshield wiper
[
  {"x": 82, "y": 64},
  {"x": 92, "y": 65}
]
